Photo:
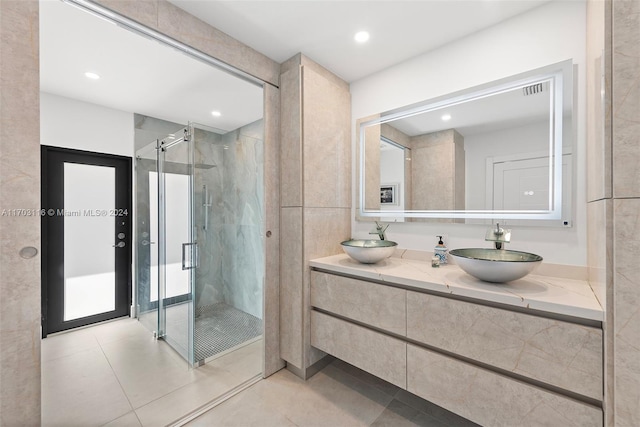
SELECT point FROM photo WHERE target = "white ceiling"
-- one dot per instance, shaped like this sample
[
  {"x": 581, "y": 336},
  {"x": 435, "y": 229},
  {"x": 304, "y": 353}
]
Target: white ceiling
[
  {"x": 324, "y": 29},
  {"x": 485, "y": 114},
  {"x": 143, "y": 76},
  {"x": 138, "y": 75}
]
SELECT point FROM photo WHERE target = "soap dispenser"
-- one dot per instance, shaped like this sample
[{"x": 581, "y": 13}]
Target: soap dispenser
[{"x": 441, "y": 251}]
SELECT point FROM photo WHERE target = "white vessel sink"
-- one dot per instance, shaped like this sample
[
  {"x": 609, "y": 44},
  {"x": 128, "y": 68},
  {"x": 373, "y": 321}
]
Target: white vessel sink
[
  {"x": 494, "y": 265},
  {"x": 369, "y": 251}
]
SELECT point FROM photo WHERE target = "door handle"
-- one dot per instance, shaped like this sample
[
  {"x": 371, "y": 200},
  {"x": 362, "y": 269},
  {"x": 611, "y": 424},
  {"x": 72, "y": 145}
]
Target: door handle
[
  {"x": 194, "y": 256},
  {"x": 119, "y": 245},
  {"x": 147, "y": 243}
]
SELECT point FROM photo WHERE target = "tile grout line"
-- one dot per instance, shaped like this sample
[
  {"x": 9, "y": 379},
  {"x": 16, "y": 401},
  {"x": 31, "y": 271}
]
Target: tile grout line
[
  {"x": 134, "y": 409},
  {"x": 119, "y": 383},
  {"x": 362, "y": 382}
]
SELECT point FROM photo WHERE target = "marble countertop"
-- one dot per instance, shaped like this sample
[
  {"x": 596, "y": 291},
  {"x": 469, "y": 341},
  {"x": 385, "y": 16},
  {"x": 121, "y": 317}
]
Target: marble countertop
[{"x": 551, "y": 294}]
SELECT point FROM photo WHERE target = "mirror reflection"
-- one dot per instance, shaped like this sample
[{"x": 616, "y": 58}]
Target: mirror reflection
[{"x": 488, "y": 153}]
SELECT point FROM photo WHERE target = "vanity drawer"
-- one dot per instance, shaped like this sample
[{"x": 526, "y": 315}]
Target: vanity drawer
[
  {"x": 558, "y": 353},
  {"x": 377, "y": 305},
  {"x": 488, "y": 398},
  {"x": 376, "y": 353}
]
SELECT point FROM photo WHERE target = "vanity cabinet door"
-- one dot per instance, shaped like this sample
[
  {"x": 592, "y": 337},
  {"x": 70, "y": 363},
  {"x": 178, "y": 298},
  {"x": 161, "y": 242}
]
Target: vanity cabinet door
[
  {"x": 558, "y": 353},
  {"x": 377, "y": 305},
  {"x": 376, "y": 353},
  {"x": 491, "y": 399}
]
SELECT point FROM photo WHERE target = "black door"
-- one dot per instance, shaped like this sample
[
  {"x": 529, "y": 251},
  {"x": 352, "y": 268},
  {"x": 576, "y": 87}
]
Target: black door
[{"x": 86, "y": 238}]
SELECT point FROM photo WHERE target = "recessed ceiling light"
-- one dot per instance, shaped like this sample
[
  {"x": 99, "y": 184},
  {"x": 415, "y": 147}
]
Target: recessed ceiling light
[
  {"x": 446, "y": 117},
  {"x": 361, "y": 36},
  {"x": 216, "y": 113},
  {"x": 92, "y": 76}
]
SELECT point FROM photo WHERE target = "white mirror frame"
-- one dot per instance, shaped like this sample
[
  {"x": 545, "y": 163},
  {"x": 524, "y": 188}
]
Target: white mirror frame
[{"x": 555, "y": 80}]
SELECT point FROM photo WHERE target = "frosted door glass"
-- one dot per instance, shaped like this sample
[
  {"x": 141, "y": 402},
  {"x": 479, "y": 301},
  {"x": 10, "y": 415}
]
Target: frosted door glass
[
  {"x": 153, "y": 233},
  {"x": 89, "y": 236},
  {"x": 177, "y": 229}
]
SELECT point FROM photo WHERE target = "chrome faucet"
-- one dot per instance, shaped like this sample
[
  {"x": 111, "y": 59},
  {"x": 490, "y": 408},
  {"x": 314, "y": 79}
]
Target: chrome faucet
[
  {"x": 498, "y": 235},
  {"x": 380, "y": 229}
]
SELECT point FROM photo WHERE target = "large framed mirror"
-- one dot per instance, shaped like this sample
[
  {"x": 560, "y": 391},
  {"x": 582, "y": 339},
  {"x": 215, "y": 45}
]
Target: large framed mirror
[{"x": 503, "y": 150}]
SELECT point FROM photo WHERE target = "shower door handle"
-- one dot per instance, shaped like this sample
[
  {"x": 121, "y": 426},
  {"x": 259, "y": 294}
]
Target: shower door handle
[{"x": 193, "y": 259}]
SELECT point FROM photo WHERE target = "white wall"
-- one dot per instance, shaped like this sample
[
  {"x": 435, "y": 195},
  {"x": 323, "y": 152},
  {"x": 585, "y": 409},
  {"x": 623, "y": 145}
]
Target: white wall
[
  {"x": 478, "y": 147},
  {"x": 69, "y": 123},
  {"x": 548, "y": 34}
]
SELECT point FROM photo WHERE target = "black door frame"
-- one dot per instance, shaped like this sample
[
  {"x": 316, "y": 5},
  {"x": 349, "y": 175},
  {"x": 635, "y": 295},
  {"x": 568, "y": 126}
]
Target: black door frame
[{"x": 52, "y": 176}]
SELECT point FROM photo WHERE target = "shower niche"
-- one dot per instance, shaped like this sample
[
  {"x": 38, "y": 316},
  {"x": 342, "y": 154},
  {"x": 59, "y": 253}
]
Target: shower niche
[{"x": 200, "y": 258}]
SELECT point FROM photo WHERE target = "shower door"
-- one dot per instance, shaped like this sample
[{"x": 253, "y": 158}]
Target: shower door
[
  {"x": 200, "y": 249},
  {"x": 165, "y": 249},
  {"x": 177, "y": 252}
]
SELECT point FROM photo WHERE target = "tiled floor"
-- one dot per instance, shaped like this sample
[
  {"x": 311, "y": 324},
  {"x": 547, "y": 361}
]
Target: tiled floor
[
  {"x": 338, "y": 396},
  {"x": 116, "y": 374}
]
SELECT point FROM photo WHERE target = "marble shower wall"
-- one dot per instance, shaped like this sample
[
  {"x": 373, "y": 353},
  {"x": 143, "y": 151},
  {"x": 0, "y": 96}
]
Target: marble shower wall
[
  {"x": 232, "y": 255},
  {"x": 208, "y": 190}
]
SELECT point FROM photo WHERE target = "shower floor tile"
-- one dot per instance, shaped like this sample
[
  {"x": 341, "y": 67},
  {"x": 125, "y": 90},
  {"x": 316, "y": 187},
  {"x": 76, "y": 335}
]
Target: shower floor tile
[
  {"x": 218, "y": 328},
  {"x": 221, "y": 327}
]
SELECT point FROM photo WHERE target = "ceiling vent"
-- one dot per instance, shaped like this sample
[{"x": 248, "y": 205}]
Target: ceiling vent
[{"x": 535, "y": 88}]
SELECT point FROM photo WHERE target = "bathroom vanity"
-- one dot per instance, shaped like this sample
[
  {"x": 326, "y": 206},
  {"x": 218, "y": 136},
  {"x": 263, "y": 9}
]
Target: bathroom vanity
[{"x": 528, "y": 352}]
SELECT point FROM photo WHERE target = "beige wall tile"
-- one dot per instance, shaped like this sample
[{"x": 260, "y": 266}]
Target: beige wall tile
[
  {"x": 272, "y": 361},
  {"x": 372, "y": 167},
  {"x": 488, "y": 398},
  {"x": 626, "y": 301},
  {"x": 163, "y": 16},
  {"x": 143, "y": 11},
  {"x": 381, "y": 355},
  {"x": 324, "y": 229},
  {"x": 558, "y": 353},
  {"x": 188, "y": 29},
  {"x": 291, "y": 138},
  {"x": 315, "y": 174},
  {"x": 19, "y": 189},
  {"x": 435, "y": 160},
  {"x": 309, "y": 63},
  {"x": 622, "y": 326},
  {"x": 598, "y": 141},
  {"x": 600, "y": 247},
  {"x": 626, "y": 136},
  {"x": 381, "y": 306},
  {"x": 294, "y": 62},
  {"x": 326, "y": 141},
  {"x": 395, "y": 135},
  {"x": 626, "y": 98},
  {"x": 291, "y": 273}
]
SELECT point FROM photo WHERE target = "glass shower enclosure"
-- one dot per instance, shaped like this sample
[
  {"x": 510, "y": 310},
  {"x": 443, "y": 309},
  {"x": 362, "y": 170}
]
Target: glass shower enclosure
[{"x": 199, "y": 231}]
